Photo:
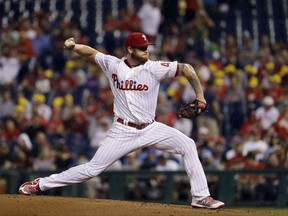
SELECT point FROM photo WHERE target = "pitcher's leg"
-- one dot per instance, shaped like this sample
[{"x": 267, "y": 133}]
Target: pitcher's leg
[
  {"x": 105, "y": 155},
  {"x": 73, "y": 175},
  {"x": 171, "y": 140},
  {"x": 195, "y": 172}
]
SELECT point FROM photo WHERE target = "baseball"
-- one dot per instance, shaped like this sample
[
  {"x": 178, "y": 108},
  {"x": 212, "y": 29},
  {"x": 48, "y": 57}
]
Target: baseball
[{"x": 69, "y": 43}]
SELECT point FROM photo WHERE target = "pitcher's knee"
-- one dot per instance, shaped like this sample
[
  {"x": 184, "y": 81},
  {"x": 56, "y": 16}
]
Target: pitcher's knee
[
  {"x": 189, "y": 147},
  {"x": 93, "y": 169}
]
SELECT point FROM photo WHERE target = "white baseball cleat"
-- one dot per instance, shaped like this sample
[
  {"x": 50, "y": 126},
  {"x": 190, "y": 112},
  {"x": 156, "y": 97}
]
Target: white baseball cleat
[
  {"x": 208, "y": 203},
  {"x": 29, "y": 188}
]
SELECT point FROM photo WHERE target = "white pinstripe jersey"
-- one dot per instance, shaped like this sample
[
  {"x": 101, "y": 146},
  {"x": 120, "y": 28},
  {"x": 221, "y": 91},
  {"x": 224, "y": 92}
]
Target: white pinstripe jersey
[{"x": 135, "y": 89}]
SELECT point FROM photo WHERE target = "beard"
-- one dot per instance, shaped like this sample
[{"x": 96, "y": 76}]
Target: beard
[{"x": 140, "y": 58}]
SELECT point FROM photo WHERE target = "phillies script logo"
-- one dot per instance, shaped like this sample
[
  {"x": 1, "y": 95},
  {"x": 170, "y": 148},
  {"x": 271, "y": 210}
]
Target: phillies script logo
[{"x": 128, "y": 84}]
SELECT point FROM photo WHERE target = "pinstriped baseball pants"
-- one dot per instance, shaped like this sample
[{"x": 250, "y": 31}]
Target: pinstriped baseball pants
[{"x": 121, "y": 140}]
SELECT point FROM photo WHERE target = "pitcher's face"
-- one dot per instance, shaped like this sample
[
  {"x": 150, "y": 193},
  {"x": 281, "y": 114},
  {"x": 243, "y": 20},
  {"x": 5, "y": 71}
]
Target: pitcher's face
[{"x": 140, "y": 54}]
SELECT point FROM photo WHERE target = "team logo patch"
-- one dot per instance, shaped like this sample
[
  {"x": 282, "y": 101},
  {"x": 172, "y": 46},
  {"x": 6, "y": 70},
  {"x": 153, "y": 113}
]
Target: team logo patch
[
  {"x": 144, "y": 37},
  {"x": 128, "y": 85}
]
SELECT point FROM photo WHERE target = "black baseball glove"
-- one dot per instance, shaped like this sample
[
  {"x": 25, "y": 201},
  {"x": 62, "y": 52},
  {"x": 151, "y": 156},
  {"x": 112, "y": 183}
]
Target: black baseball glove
[{"x": 192, "y": 109}]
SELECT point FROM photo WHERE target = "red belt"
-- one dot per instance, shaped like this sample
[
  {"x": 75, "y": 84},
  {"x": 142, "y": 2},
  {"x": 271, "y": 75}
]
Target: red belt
[{"x": 134, "y": 125}]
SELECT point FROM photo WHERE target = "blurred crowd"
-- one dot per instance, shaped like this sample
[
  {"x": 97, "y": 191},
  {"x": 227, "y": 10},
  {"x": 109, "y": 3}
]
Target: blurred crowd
[{"x": 55, "y": 107}]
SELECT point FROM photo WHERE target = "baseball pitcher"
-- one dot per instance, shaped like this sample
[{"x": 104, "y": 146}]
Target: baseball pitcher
[{"x": 135, "y": 81}]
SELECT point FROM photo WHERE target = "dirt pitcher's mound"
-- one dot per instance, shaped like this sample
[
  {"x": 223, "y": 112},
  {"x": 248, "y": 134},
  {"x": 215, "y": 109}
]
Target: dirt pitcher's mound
[{"x": 16, "y": 205}]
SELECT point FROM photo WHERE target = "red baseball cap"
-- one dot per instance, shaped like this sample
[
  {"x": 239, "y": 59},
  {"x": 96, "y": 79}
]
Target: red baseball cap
[{"x": 137, "y": 39}]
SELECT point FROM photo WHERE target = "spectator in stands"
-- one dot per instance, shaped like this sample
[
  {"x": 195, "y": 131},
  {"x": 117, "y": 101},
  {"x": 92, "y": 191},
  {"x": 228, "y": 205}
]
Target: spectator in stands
[
  {"x": 63, "y": 157},
  {"x": 165, "y": 164},
  {"x": 26, "y": 26},
  {"x": 229, "y": 48},
  {"x": 24, "y": 142},
  {"x": 7, "y": 105},
  {"x": 56, "y": 122},
  {"x": 211, "y": 149},
  {"x": 9, "y": 66},
  {"x": 131, "y": 162},
  {"x": 76, "y": 126},
  {"x": 249, "y": 124},
  {"x": 93, "y": 188},
  {"x": 34, "y": 127},
  {"x": 111, "y": 25},
  {"x": 77, "y": 34},
  {"x": 203, "y": 71},
  {"x": 192, "y": 7},
  {"x": 184, "y": 125},
  {"x": 21, "y": 154},
  {"x": 219, "y": 147},
  {"x": 275, "y": 89},
  {"x": 284, "y": 76},
  {"x": 254, "y": 94},
  {"x": 21, "y": 160},
  {"x": 247, "y": 50},
  {"x": 24, "y": 47},
  {"x": 66, "y": 83},
  {"x": 130, "y": 22},
  {"x": 27, "y": 81},
  {"x": 39, "y": 139},
  {"x": 212, "y": 119},
  {"x": 170, "y": 14},
  {"x": 77, "y": 121},
  {"x": 207, "y": 160},
  {"x": 236, "y": 103},
  {"x": 40, "y": 107},
  {"x": 96, "y": 83},
  {"x": 7, "y": 35},
  {"x": 203, "y": 136},
  {"x": 105, "y": 98},
  {"x": 250, "y": 184},
  {"x": 19, "y": 117},
  {"x": 45, "y": 160},
  {"x": 265, "y": 67},
  {"x": 92, "y": 82},
  {"x": 67, "y": 107},
  {"x": 220, "y": 88},
  {"x": 149, "y": 161},
  {"x": 234, "y": 156},
  {"x": 11, "y": 131},
  {"x": 281, "y": 125},
  {"x": 164, "y": 113},
  {"x": 273, "y": 162},
  {"x": 24, "y": 106},
  {"x": 268, "y": 114},
  {"x": 252, "y": 163},
  {"x": 276, "y": 145},
  {"x": 5, "y": 155},
  {"x": 41, "y": 41},
  {"x": 80, "y": 71},
  {"x": 255, "y": 144},
  {"x": 103, "y": 125},
  {"x": 265, "y": 45},
  {"x": 43, "y": 81},
  {"x": 201, "y": 25},
  {"x": 150, "y": 18}
]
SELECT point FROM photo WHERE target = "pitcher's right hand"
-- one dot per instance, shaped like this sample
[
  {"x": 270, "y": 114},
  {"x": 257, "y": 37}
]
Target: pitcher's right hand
[{"x": 69, "y": 43}]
